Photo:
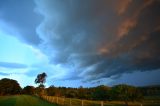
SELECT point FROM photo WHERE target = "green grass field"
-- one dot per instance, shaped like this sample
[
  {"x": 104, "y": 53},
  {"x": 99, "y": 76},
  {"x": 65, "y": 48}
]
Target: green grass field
[
  {"x": 23, "y": 100},
  {"x": 26, "y": 100}
]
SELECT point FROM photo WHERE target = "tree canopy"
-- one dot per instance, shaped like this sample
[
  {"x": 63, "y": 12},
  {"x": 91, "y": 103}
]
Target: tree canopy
[
  {"x": 9, "y": 87},
  {"x": 126, "y": 93},
  {"x": 28, "y": 90},
  {"x": 41, "y": 79}
]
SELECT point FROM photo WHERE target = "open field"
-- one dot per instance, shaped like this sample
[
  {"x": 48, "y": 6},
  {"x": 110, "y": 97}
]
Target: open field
[{"x": 23, "y": 100}]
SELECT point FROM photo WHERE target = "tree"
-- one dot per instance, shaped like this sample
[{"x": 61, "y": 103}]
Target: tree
[
  {"x": 41, "y": 79},
  {"x": 101, "y": 93},
  {"x": 51, "y": 91},
  {"x": 81, "y": 92},
  {"x": 126, "y": 93},
  {"x": 28, "y": 90},
  {"x": 9, "y": 87}
]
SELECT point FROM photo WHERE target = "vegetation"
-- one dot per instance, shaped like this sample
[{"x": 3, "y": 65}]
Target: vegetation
[
  {"x": 30, "y": 90},
  {"x": 9, "y": 87},
  {"x": 122, "y": 92},
  {"x": 23, "y": 100},
  {"x": 150, "y": 90},
  {"x": 148, "y": 101},
  {"x": 41, "y": 79},
  {"x": 129, "y": 93},
  {"x": 126, "y": 93}
]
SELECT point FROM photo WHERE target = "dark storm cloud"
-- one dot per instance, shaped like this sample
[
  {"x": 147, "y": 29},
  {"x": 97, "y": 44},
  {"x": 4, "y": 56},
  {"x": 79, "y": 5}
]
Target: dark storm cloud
[
  {"x": 71, "y": 27},
  {"x": 20, "y": 14},
  {"x": 101, "y": 38},
  {"x": 12, "y": 65}
]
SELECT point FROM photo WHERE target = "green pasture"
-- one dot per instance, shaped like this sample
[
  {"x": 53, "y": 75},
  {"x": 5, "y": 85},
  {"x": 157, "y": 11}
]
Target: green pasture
[
  {"x": 23, "y": 100},
  {"x": 26, "y": 100}
]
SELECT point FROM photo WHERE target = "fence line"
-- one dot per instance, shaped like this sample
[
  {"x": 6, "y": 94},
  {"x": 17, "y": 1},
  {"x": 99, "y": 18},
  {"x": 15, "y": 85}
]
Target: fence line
[
  {"x": 78, "y": 102},
  {"x": 71, "y": 102}
]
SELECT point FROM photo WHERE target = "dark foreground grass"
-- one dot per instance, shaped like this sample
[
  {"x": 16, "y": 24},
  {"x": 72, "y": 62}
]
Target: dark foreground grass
[{"x": 23, "y": 100}]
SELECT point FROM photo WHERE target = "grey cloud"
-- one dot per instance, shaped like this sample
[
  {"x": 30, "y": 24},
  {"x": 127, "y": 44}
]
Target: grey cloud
[
  {"x": 142, "y": 78},
  {"x": 122, "y": 6},
  {"x": 72, "y": 27},
  {"x": 12, "y": 65},
  {"x": 20, "y": 14},
  {"x": 84, "y": 34},
  {"x": 70, "y": 77}
]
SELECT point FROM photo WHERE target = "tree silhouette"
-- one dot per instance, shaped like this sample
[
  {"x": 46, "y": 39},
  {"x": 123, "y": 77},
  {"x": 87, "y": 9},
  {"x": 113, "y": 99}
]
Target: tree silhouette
[
  {"x": 28, "y": 90},
  {"x": 9, "y": 87},
  {"x": 41, "y": 79},
  {"x": 126, "y": 93}
]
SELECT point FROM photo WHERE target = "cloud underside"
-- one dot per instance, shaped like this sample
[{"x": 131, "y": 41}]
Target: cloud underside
[
  {"x": 99, "y": 39},
  {"x": 21, "y": 17}
]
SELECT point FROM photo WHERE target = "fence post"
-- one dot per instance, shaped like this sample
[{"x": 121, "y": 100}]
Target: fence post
[
  {"x": 82, "y": 102},
  {"x": 69, "y": 102},
  {"x": 44, "y": 97},
  {"x": 63, "y": 101},
  {"x": 57, "y": 100},
  {"x": 47, "y": 98},
  {"x": 101, "y": 103},
  {"x": 52, "y": 99}
]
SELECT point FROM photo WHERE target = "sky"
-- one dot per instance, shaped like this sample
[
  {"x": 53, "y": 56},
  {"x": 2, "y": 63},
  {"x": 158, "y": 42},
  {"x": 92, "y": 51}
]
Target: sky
[{"x": 80, "y": 42}]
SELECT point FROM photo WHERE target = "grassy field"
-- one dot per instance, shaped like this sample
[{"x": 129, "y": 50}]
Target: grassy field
[{"x": 23, "y": 100}]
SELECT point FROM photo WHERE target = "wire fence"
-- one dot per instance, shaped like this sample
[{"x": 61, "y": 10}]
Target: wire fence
[
  {"x": 78, "y": 102},
  {"x": 72, "y": 102}
]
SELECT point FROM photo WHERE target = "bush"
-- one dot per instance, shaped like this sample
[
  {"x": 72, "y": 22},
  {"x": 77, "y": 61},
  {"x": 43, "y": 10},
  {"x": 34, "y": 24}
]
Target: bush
[{"x": 9, "y": 87}]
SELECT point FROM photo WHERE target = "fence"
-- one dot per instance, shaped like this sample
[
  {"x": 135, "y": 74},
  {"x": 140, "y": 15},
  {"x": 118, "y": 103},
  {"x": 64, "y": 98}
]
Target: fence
[
  {"x": 72, "y": 102},
  {"x": 78, "y": 102}
]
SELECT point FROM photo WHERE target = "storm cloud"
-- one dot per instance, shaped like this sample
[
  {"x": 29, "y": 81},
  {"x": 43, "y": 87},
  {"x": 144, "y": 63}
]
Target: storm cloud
[
  {"x": 100, "y": 38},
  {"x": 20, "y": 16}
]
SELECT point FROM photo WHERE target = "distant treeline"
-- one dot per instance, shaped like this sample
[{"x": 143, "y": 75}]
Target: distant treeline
[
  {"x": 103, "y": 92},
  {"x": 117, "y": 92}
]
